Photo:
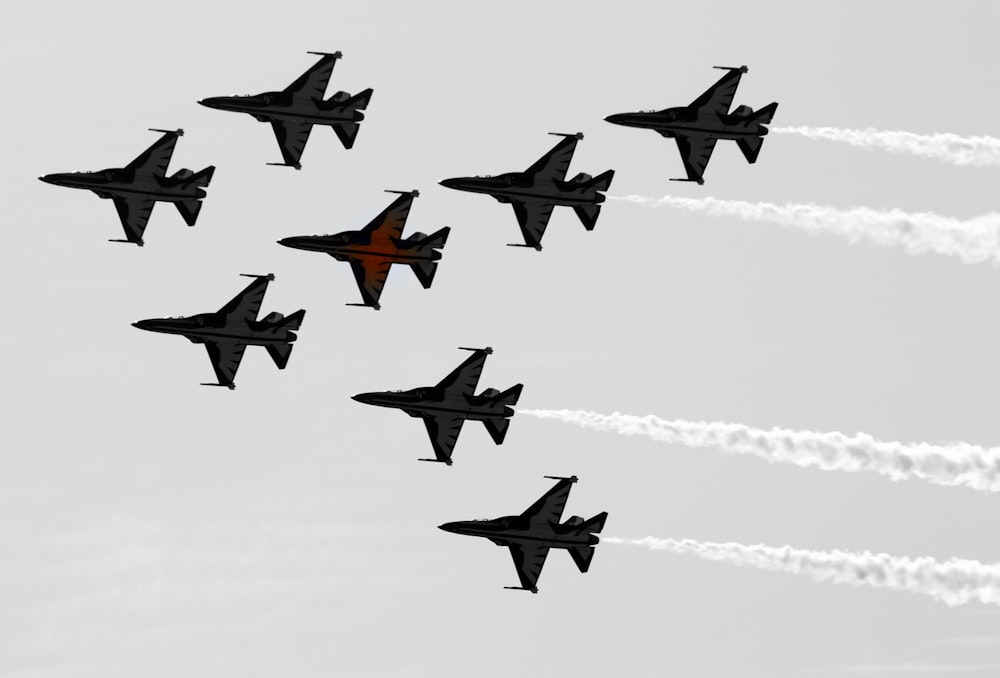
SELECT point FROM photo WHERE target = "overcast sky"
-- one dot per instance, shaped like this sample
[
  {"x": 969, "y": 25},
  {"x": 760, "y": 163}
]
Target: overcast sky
[{"x": 152, "y": 527}]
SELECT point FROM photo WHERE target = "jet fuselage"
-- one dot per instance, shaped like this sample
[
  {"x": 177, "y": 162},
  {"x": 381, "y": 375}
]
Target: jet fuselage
[
  {"x": 285, "y": 106},
  {"x": 352, "y": 244},
  {"x": 432, "y": 400},
  {"x": 673, "y": 121},
  {"x": 210, "y": 327},
  {"x": 520, "y": 529},
  {"x": 122, "y": 182},
  {"x": 522, "y": 187}
]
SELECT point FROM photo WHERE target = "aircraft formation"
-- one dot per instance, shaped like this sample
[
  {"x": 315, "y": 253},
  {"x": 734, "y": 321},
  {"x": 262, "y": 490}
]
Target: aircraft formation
[{"x": 372, "y": 250}]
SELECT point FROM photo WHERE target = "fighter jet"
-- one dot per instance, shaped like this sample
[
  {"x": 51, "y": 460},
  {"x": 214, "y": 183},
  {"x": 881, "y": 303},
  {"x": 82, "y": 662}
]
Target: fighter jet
[
  {"x": 374, "y": 249},
  {"x": 534, "y": 192},
  {"x": 446, "y": 406},
  {"x": 697, "y": 127},
  {"x": 530, "y": 535},
  {"x": 293, "y": 111},
  {"x": 227, "y": 332},
  {"x": 137, "y": 187}
]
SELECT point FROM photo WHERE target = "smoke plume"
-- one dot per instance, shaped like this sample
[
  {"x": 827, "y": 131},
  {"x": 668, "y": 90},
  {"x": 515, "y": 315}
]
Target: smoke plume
[
  {"x": 973, "y": 241},
  {"x": 975, "y": 151},
  {"x": 954, "y": 581},
  {"x": 955, "y": 465}
]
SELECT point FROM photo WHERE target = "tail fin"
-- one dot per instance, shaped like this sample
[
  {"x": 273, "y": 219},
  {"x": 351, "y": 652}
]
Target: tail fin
[
  {"x": 497, "y": 428},
  {"x": 361, "y": 99},
  {"x": 588, "y": 214},
  {"x": 189, "y": 210},
  {"x": 294, "y": 321},
  {"x": 202, "y": 178},
  {"x": 750, "y": 147},
  {"x": 279, "y": 353},
  {"x": 764, "y": 115},
  {"x": 437, "y": 239},
  {"x": 601, "y": 182},
  {"x": 510, "y": 396},
  {"x": 595, "y": 524},
  {"x": 582, "y": 555}
]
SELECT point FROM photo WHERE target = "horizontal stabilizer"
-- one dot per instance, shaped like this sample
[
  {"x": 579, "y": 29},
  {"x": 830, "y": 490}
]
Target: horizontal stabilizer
[
  {"x": 424, "y": 270},
  {"x": 230, "y": 385},
  {"x": 750, "y": 147},
  {"x": 437, "y": 239},
  {"x": 588, "y": 214},
  {"x": 279, "y": 354},
  {"x": 189, "y": 210},
  {"x": 361, "y": 99},
  {"x": 582, "y": 555},
  {"x": 510, "y": 396},
  {"x": 497, "y": 428},
  {"x": 347, "y": 132},
  {"x": 296, "y": 165},
  {"x": 601, "y": 182},
  {"x": 132, "y": 242}
]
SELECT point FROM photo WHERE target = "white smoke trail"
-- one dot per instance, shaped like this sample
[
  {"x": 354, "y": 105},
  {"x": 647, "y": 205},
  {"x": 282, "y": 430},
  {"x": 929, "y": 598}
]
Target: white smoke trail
[
  {"x": 977, "y": 151},
  {"x": 973, "y": 241},
  {"x": 956, "y": 464},
  {"x": 954, "y": 581}
]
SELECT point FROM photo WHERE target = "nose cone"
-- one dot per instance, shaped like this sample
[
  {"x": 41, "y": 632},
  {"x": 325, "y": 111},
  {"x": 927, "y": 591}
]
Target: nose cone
[
  {"x": 454, "y": 528},
  {"x": 456, "y": 183},
  {"x": 144, "y": 324},
  {"x": 155, "y": 325},
  {"x": 218, "y": 103},
  {"x": 365, "y": 398},
  {"x": 56, "y": 179},
  {"x": 617, "y": 118}
]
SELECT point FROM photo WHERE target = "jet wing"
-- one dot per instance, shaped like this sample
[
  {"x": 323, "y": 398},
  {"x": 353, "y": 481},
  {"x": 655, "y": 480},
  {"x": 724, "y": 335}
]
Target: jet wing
[
  {"x": 313, "y": 82},
  {"x": 292, "y": 137},
  {"x": 533, "y": 217},
  {"x": 134, "y": 211},
  {"x": 549, "y": 507},
  {"x": 696, "y": 151},
  {"x": 392, "y": 219},
  {"x": 155, "y": 159},
  {"x": 717, "y": 98},
  {"x": 465, "y": 378},
  {"x": 529, "y": 559},
  {"x": 370, "y": 272},
  {"x": 245, "y": 305},
  {"x": 554, "y": 164},
  {"x": 225, "y": 357},
  {"x": 443, "y": 431}
]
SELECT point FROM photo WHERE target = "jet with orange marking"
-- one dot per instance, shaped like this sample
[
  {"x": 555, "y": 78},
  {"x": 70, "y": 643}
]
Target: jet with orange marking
[{"x": 374, "y": 249}]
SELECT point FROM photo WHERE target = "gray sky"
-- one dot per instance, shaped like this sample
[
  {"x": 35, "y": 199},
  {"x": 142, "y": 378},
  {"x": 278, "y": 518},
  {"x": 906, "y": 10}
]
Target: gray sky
[{"x": 152, "y": 527}]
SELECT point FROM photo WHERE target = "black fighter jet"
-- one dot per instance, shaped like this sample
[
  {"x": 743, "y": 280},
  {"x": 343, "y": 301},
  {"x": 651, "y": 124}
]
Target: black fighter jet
[
  {"x": 445, "y": 407},
  {"x": 530, "y": 535},
  {"x": 374, "y": 249},
  {"x": 534, "y": 192},
  {"x": 137, "y": 187},
  {"x": 697, "y": 127},
  {"x": 293, "y": 111},
  {"x": 227, "y": 332}
]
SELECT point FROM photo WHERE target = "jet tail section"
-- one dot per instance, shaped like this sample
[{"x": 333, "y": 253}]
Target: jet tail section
[
  {"x": 279, "y": 353},
  {"x": 750, "y": 147},
  {"x": 189, "y": 210},
  {"x": 294, "y": 321},
  {"x": 595, "y": 524},
  {"x": 588, "y": 214},
  {"x": 582, "y": 555},
  {"x": 764, "y": 115},
  {"x": 601, "y": 182},
  {"x": 202, "y": 178},
  {"x": 424, "y": 270}
]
